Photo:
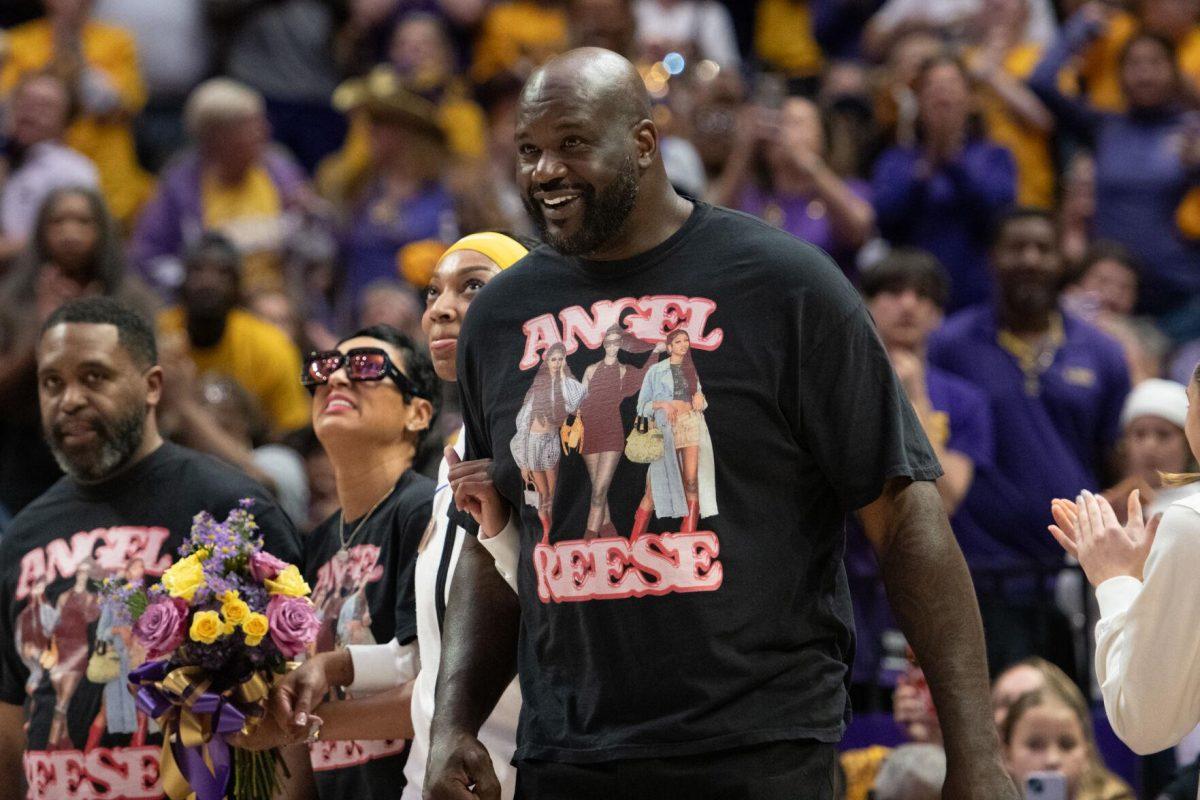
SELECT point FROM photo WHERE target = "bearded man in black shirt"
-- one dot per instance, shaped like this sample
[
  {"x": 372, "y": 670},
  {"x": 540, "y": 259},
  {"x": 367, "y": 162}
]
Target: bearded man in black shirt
[
  {"x": 127, "y": 496},
  {"x": 702, "y": 650}
]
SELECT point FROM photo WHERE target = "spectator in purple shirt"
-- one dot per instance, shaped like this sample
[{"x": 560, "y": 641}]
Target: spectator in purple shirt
[
  {"x": 778, "y": 171},
  {"x": 906, "y": 293},
  {"x": 234, "y": 181},
  {"x": 401, "y": 194},
  {"x": 942, "y": 193},
  {"x": 1146, "y": 161},
  {"x": 1056, "y": 386}
]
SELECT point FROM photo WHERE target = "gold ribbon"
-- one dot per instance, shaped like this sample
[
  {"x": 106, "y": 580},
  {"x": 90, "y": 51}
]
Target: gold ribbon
[{"x": 183, "y": 687}]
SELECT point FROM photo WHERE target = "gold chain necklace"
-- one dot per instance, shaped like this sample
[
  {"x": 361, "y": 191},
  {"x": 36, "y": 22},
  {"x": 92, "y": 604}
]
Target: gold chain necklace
[{"x": 343, "y": 551}]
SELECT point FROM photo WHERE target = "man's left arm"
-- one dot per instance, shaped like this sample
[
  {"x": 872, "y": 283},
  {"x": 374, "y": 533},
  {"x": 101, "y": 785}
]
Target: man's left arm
[{"x": 931, "y": 594}]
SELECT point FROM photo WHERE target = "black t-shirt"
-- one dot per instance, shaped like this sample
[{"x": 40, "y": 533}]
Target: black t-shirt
[
  {"x": 735, "y": 629},
  {"x": 365, "y": 596},
  {"x": 61, "y": 655}
]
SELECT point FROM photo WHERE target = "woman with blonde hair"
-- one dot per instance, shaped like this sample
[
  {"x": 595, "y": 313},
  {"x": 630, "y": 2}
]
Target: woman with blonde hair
[{"x": 1147, "y": 639}]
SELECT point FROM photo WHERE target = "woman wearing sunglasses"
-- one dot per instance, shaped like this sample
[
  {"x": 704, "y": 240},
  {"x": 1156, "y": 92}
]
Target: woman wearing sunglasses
[
  {"x": 402, "y": 706},
  {"x": 373, "y": 400}
]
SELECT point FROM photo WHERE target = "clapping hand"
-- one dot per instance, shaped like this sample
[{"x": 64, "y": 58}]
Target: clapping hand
[{"x": 1088, "y": 529}]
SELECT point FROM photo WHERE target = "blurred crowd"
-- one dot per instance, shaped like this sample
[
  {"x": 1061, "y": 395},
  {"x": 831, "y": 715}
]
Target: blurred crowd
[{"x": 1014, "y": 185}]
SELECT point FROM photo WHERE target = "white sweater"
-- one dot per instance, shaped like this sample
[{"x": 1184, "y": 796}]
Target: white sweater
[
  {"x": 383, "y": 666},
  {"x": 1148, "y": 638}
]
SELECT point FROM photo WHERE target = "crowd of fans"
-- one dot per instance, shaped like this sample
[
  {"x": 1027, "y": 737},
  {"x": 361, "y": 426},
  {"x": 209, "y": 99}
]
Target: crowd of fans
[{"x": 1014, "y": 185}]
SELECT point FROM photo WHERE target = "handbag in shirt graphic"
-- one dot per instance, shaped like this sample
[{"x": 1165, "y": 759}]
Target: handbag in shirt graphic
[{"x": 620, "y": 558}]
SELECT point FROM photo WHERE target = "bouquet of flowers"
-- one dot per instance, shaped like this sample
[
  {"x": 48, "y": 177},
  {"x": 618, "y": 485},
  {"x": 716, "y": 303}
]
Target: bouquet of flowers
[{"x": 219, "y": 628}]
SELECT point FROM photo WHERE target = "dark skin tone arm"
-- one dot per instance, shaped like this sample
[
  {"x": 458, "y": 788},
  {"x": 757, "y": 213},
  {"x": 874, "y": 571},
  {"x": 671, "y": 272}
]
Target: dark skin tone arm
[
  {"x": 12, "y": 745},
  {"x": 930, "y": 592},
  {"x": 479, "y": 660}
]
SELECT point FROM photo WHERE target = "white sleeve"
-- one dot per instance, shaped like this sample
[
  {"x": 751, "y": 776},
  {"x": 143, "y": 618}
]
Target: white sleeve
[
  {"x": 505, "y": 548},
  {"x": 383, "y": 666},
  {"x": 1148, "y": 640}
]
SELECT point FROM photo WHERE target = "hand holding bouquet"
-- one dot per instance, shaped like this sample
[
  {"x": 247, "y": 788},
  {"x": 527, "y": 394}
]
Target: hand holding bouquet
[{"x": 219, "y": 628}]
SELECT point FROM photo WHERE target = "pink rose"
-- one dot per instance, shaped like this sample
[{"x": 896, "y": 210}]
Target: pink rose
[
  {"x": 264, "y": 566},
  {"x": 293, "y": 624},
  {"x": 161, "y": 627}
]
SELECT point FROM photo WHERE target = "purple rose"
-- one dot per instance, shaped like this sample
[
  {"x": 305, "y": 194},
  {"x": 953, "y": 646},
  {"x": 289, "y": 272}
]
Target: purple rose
[
  {"x": 264, "y": 566},
  {"x": 160, "y": 628},
  {"x": 293, "y": 624}
]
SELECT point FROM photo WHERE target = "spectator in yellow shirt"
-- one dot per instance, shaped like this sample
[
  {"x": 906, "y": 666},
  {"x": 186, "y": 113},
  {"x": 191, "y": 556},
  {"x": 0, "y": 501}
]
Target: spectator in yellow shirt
[
  {"x": 422, "y": 57},
  {"x": 784, "y": 39},
  {"x": 227, "y": 339},
  {"x": 100, "y": 63},
  {"x": 1012, "y": 113},
  {"x": 518, "y": 36},
  {"x": 1175, "y": 20}
]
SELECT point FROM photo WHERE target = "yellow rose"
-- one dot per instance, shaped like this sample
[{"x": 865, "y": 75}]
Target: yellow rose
[
  {"x": 234, "y": 609},
  {"x": 184, "y": 577},
  {"x": 206, "y": 627},
  {"x": 255, "y": 627},
  {"x": 288, "y": 582}
]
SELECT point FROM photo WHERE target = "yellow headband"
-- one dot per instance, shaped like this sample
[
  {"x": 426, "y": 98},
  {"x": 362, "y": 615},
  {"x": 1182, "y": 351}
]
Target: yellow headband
[{"x": 502, "y": 249}]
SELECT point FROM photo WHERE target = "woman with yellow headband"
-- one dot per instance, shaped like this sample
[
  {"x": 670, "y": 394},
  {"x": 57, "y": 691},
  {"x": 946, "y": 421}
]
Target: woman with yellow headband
[{"x": 392, "y": 685}]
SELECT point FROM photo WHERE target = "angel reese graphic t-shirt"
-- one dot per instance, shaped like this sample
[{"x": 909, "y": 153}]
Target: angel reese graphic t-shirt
[
  {"x": 62, "y": 655},
  {"x": 364, "y": 595},
  {"x": 692, "y": 600}
]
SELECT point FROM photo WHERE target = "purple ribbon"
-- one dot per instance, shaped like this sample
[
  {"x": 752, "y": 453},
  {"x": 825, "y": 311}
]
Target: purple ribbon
[{"x": 227, "y": 719}]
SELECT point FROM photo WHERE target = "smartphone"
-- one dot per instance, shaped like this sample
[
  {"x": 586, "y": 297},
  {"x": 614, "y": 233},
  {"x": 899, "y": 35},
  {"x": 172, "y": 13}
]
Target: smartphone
[{"x": 1046, "y": 786}]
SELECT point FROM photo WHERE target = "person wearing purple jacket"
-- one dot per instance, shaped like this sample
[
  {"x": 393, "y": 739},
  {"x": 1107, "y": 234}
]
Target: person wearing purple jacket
[
  {"x": 942, "y": 193},
  {"x": 233, "y": 182},
  {"x": 1145, "y": 164},
  {"x": 1055, "y": 386}
]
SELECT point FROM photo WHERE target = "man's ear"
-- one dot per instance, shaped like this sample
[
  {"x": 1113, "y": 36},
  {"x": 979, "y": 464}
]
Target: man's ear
[
  {"x": 647, "y": 137},
  {"x": 154, "y": 385}
]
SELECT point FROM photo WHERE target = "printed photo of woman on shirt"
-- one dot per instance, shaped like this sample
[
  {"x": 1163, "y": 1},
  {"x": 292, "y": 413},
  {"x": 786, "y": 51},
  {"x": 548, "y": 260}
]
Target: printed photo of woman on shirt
[
  {"x": 35, "y": 626},
  {"x": 681, "y": 483},
  {"x": 77, "y": 608},
  {"x": 607, "y": 383},
  {"x": 118, "y": 711},
  {"x": 555, "y": 393}
]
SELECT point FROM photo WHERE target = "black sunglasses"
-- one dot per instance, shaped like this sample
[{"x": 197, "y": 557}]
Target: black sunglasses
[{"x": 361, "y": 363}]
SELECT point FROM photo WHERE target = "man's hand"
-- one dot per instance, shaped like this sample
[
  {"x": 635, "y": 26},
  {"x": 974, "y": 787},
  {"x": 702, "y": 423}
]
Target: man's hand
[
  {"x": 460, "y": 769},
  {"x": 475, "y": 493},
  {"x": 301, "y": 690},
  {"x": 910, "y": 369}
]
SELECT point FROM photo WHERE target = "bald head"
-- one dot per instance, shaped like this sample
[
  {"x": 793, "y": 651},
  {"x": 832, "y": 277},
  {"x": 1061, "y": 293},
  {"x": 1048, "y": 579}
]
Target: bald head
[
  {"x": 588, "y": 155},
  {"x": 606, "y": 82}
]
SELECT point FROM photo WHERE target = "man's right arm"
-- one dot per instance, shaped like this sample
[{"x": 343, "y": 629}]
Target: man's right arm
[
  {"x": 479, "y": 660},
  {"x": 12, "y": 747}
]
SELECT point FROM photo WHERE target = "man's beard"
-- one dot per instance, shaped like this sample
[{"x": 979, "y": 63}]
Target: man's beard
[
  {"x": 117, "y": 442},
  {"x": 604, "y": 214},
  {"x": 1030, "y": 297}
]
